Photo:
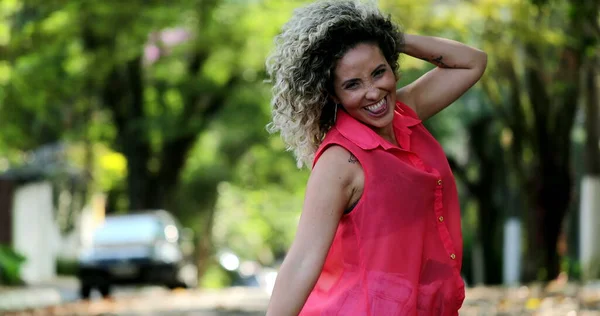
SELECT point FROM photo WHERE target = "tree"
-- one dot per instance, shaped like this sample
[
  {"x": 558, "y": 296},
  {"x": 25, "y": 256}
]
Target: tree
[
  {"x": 159, "y": 72},
  {"x": 146, "y": 79},
  {"x": 538, "y": 106},
  {"x": 478, "y": 161},
  {"x": 537, "y": 54}
]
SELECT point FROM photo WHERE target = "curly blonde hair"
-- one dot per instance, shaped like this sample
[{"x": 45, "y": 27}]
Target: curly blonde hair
[{"x": 303, "y": 61}]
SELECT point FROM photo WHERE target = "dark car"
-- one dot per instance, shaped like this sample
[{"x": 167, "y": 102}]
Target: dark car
[{"x": 148, "y": 248}]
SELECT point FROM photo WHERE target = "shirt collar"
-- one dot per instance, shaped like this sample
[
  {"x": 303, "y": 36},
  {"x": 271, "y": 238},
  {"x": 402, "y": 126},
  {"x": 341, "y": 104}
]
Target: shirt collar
[{"x": 365, "y": 138}]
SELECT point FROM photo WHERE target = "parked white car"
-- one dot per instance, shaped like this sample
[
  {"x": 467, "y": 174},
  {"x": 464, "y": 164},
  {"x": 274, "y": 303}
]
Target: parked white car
[{"x": 148, "y": 248}]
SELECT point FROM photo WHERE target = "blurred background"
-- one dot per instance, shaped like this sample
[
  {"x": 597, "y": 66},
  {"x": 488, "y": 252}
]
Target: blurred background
[{"x": 144, "y": 122}]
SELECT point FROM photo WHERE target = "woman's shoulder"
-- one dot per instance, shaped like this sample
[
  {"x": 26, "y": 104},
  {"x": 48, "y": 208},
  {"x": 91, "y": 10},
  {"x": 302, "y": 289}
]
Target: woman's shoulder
[
  {"x": 336, "y": 157},
  {"x": 332, "y": 139},
  {"x": 331, "y": 154},
  {"x": 335, "y": 151},
  {"x": 340, "y": 161}
]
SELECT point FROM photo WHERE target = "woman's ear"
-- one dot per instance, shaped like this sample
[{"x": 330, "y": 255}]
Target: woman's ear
[{"x": 335, "y": 99}]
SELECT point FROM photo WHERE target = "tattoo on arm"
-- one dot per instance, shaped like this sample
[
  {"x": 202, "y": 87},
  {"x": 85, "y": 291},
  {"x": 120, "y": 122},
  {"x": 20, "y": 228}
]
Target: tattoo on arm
[
  {"x": 439, "y": 61},
  {"x": 352, "y": 159}
]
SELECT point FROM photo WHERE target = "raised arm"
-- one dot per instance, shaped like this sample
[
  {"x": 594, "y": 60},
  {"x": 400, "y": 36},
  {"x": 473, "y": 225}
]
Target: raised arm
[
  {"x": 459, "y": 67},
  {"x": 328, "y": 193}
]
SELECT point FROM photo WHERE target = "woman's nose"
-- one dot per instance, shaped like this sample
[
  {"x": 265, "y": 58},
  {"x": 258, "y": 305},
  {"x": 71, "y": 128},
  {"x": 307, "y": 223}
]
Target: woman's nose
[{"x": 372, "y": 93}]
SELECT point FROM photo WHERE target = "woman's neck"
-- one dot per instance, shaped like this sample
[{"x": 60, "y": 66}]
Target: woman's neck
[{"x": 387, "y": 133}]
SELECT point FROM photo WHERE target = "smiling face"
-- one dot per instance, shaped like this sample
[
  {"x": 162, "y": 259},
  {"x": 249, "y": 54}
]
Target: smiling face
[{"x": 365, "y": 85}]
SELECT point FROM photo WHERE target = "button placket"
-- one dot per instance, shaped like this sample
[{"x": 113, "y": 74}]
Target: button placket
[
  {"x": 441, "y": 224},
  {"x": 438, "y": 205}
]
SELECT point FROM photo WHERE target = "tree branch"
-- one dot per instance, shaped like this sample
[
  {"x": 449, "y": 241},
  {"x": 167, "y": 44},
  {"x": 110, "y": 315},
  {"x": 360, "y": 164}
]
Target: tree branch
[
  {"x": 519, "y": 122},
  {"x": 189, "y": 90},
  {"x": 175, "y": 150},
  {"x": 207, "y": 110}
]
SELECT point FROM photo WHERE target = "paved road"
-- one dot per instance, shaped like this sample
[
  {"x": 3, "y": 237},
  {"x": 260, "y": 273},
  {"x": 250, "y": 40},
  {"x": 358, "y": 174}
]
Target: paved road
[
  {"x": 559, "y": 300},
  {"x": 158, "y": 301}
]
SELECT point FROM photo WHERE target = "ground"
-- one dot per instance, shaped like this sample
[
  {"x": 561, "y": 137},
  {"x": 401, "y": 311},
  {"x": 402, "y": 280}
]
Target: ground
[{"x": 568, "y": 299}]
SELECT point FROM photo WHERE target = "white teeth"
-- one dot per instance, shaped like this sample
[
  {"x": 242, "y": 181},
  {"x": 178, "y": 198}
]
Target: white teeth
[{"x": 377, "y": 106}]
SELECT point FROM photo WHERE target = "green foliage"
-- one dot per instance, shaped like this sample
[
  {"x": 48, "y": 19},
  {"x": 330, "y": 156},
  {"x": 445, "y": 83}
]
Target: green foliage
[
  {"x": 67, "y": 267},
  {"x": 256, "y": 224},
  {"x": 187, "y": 126},
  {"x": 10, "y": 265},
  {"x": 215, "y": 277}
]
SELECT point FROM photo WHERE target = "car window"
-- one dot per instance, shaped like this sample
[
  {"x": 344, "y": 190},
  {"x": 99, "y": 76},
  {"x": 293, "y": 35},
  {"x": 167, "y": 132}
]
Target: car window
[{"x": 128, "y": 229}]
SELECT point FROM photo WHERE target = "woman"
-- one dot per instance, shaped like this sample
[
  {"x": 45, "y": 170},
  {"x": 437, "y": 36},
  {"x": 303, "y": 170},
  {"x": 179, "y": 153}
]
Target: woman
[{"x": 380, "y": 227}]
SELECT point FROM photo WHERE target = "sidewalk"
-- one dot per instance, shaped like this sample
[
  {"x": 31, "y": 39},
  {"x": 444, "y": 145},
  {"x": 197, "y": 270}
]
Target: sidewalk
[
  {"x": 556, "y": 299},
  {"x": 55, "y": 292},
  {"x": 234, "y": 301}
]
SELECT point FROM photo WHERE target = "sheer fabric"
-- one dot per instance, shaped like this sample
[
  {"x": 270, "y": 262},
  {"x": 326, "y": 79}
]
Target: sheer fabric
[{"x": 399, "y": 251}]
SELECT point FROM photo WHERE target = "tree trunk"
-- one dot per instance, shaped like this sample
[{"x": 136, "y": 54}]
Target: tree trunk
[
  {"x": 138, "y": 179},
  {"x": 486, "y": 153},
  {"x": 553, "y": 198},
  {"x": 197, "y": 200},
  {"x": 549, "y": 201},
  {"x": 551, "y": 182},
  {"x": 205, "y": 246},
  {"x": 134, "y": 138},
  {"x": 172, "y": 161},
  {"x": 488, "y": 211}
]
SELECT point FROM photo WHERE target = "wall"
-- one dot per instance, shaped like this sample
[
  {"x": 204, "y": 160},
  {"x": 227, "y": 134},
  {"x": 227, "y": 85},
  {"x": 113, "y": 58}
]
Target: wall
[
  {"x": 589, "y": 227},
  {"x": 35, "y": 233}
]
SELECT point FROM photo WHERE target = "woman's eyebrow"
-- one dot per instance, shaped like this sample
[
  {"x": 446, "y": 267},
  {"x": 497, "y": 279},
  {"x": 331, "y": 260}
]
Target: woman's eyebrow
[
  {"x": 377, "y": 68},
  {"x": 350, "y": 81}
]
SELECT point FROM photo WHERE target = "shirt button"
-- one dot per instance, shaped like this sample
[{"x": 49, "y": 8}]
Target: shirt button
[
  {"x": 452, "y": 256},
  {"x": 441, "y": 218},
  {"x": 439, "y": 182}
]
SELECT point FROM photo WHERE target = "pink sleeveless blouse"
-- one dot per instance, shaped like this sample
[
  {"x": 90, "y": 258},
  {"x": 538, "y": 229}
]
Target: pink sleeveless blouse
[{"x": 399, "y": 251}]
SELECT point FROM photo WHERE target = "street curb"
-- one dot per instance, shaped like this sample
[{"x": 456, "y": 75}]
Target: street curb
[{"x": 22, "y": 299}]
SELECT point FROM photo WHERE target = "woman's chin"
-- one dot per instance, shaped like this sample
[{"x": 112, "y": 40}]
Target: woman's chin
[{"x": 381, "y": 121}]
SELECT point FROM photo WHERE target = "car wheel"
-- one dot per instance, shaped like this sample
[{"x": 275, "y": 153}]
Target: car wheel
[
  {"x": 173, "y": 286},
  {"x": 105, "y": 290},
  {"x": 84, "y": 291}
]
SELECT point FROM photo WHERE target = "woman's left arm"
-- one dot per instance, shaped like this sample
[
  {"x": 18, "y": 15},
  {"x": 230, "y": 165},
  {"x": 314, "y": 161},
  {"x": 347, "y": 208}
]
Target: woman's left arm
[{"x": 459, "y": 67}]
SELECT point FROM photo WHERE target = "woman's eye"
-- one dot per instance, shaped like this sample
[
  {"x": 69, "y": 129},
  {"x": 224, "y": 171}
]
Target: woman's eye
[
  {"x": 351, "y": 86},
  {"x": 379, "y": 72}
]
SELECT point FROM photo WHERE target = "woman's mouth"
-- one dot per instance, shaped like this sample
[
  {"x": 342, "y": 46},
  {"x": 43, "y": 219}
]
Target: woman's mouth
[{"x": 377, "y": 109}]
